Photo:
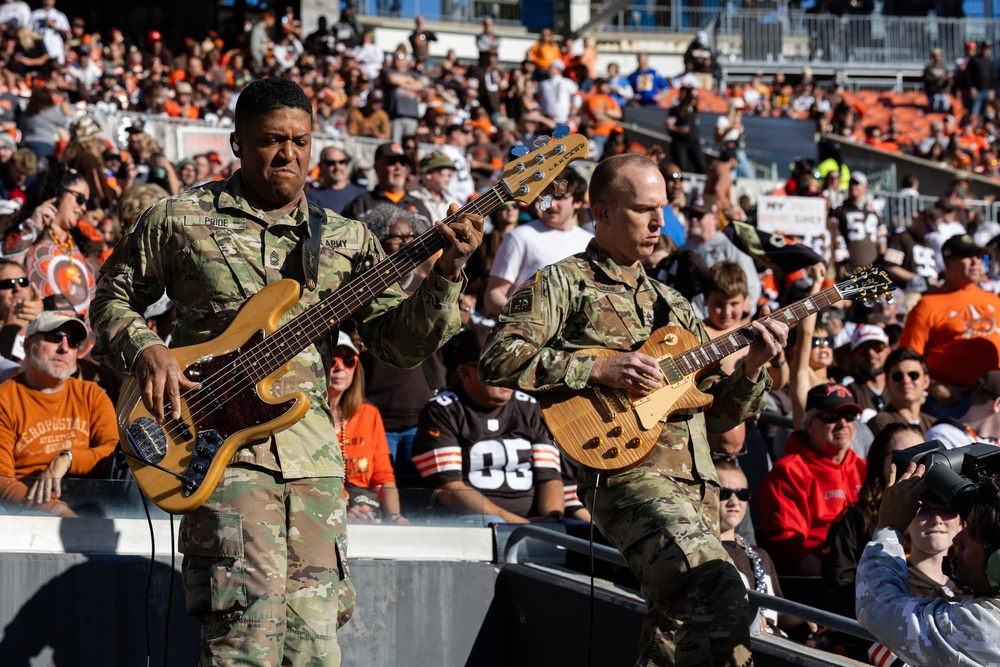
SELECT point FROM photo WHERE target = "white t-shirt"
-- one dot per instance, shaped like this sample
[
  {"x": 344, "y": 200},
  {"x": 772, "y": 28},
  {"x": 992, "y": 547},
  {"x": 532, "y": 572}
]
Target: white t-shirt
[
  {"x": 556, "y": 97},
  {"x": 52, "y": 38},
  {"x": 953, "y": 437},
  {"x": 528, "y": 248},
  {"x": 462, "y": 186}
]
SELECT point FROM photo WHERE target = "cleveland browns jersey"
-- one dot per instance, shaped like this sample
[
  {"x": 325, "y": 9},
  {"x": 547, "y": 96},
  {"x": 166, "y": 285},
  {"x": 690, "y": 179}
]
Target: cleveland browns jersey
[{"x": 503, "y": 453}]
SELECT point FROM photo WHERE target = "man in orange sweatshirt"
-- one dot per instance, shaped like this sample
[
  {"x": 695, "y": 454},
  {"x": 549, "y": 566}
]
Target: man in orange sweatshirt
[{"x": 51, "y": 424}]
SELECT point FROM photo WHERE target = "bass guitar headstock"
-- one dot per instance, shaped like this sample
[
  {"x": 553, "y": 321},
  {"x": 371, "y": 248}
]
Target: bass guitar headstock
[{"x": 529, "y": 174}]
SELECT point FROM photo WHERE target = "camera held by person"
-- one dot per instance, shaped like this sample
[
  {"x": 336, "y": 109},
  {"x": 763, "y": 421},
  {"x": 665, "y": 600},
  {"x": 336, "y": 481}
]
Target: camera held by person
[{"x": 936, "y": 632}]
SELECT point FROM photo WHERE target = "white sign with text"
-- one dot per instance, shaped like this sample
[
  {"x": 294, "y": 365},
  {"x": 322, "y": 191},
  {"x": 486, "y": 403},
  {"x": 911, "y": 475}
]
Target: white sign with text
[{"x": 792, "y": 216}]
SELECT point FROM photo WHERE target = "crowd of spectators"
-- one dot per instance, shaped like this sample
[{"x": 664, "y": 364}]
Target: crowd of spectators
[{"x": 930, "y": 363}]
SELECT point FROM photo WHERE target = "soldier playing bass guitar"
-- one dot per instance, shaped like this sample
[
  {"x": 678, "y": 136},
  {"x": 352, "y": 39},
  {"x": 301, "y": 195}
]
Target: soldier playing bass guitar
[{"x": 264, "y": 556}]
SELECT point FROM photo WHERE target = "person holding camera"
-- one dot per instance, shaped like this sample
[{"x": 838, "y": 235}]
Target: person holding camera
[{"x": 933, "y": 632}]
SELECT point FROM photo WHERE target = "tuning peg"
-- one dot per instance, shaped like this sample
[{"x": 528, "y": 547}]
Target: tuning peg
[
  {"x": 541, "y": 140},
  {"x": 867, "y": 302},
  {"x": 519, "y": 150},
  {"x": 889, "y": 298},
  {"x": 560, "y": 187},
  {"x": 544, "y": 203},
  {"x": 561, "y": 132}
]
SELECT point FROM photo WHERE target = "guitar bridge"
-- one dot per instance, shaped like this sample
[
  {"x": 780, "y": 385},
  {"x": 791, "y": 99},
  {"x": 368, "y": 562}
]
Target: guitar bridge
[
  {"x": 147, "y": 440},
  {"x": 613, "y": 400}
]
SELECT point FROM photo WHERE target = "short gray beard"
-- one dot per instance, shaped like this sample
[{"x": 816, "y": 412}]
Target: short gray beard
[{"x": 51, "y": 371}]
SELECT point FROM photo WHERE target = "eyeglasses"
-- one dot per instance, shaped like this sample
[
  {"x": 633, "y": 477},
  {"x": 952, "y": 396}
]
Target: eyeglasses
[
  {"x": 400, "y": 237},
  {"x": 898, "y": 376},
  {"x": 331, "y": 163},
  {"x": 834, "y": 417},
  {"x": 347, "y": 363},
  {"x": 389, "y": 161},
  {"x": 741, "y": 494},
  {"x": 822, "y": 341},
  {"x": 8, "y": 283},
  {"x": 56, "y": 337},
  {"x": 877, "y": 348},
  {"x": 81, "y": 198},
  {"x": 676, "y": 176}
]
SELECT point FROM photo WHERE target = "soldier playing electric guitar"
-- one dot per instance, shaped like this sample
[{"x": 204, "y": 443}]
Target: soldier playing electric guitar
[{"x": 662, "y": 513}]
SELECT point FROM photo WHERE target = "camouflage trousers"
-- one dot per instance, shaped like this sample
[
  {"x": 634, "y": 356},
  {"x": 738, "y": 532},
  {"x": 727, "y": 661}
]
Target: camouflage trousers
[
  {"x": 668, "y": 532},
  {"x": 265, "y": 570}
]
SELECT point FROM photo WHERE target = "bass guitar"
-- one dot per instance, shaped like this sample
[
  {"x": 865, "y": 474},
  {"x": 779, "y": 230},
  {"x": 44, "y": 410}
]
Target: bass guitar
[
  {"x": 614, "y": 429},
  {"x": 178, "y": 464}
]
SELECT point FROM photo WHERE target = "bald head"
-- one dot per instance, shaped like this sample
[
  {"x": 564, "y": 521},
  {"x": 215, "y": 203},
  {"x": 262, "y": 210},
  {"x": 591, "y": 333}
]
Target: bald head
[{"x": 608, "y": 180}]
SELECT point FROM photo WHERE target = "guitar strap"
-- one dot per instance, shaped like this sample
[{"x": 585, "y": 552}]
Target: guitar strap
[{"x": 310, "y": 246}]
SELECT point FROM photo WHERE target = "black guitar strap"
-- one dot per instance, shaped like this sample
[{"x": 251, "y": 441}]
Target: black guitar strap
[{"x": 310, "y": 247}]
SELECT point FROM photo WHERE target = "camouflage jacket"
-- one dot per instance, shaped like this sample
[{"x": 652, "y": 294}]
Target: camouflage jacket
[
  {"x": 588, "y": 301},
  {"x": 212, "y": 249}
]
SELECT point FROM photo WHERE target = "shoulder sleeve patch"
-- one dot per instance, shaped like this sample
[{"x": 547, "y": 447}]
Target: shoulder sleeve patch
[{"x": 523, "y": 301}]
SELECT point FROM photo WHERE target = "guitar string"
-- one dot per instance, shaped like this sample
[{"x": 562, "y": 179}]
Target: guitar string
[
  {"x": 499, "y": 193},
  {"x": 691, "y": 359},
  {"x": 482, "y": 205}
]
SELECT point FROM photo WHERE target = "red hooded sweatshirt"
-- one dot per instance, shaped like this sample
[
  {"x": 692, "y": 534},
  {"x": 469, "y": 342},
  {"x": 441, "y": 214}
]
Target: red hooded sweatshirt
[{"x": 801, "y": 496}]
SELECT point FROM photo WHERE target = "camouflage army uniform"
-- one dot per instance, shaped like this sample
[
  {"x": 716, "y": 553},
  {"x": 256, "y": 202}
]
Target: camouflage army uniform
[
  {"x": 278, "y": 513},
  {"x": 662, "y": 514}
]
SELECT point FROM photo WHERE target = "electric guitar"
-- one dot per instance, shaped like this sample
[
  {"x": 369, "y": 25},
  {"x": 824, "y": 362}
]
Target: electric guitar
[
  {"x": 178, "y": 464},
  {"x": 614, "y": 429}
]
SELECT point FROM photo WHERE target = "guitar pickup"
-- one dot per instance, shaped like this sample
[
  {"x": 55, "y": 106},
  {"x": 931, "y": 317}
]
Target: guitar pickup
[
  {"x": 183, "y": 429},
  {"x": 670, "y": 370}
]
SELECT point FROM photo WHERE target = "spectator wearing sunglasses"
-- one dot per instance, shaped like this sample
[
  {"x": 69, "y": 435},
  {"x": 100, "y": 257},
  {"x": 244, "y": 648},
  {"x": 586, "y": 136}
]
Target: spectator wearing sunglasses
[
  {"x": 955, "y": 328},
  {"x": 817, "y": 479},
  {"x": 674, "y": 221},
  {"x": 848, "y": 535},
  {"x": 906, "y": 381},
  {"x": 334, "y": 189},
  {"x": 371, "y": 486},
  {"x": 392, "y": 167},
  {"x": 812, "y": 353},
  {"x": 866, "y": 364},
  {"x": 20, "y": 303},
  {"x": 61, "y": 426},
  {"x": 753, "y": 562},
  {"x": 64, "y": 257}
]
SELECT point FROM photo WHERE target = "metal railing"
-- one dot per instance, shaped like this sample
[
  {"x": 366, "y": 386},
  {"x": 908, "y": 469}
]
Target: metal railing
[
  {"x": 793, "y": 36},
  {"x": 510, "y": 12},
  {"x": 900, "y": 210},
  {"x": 515, "y": 550}
]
